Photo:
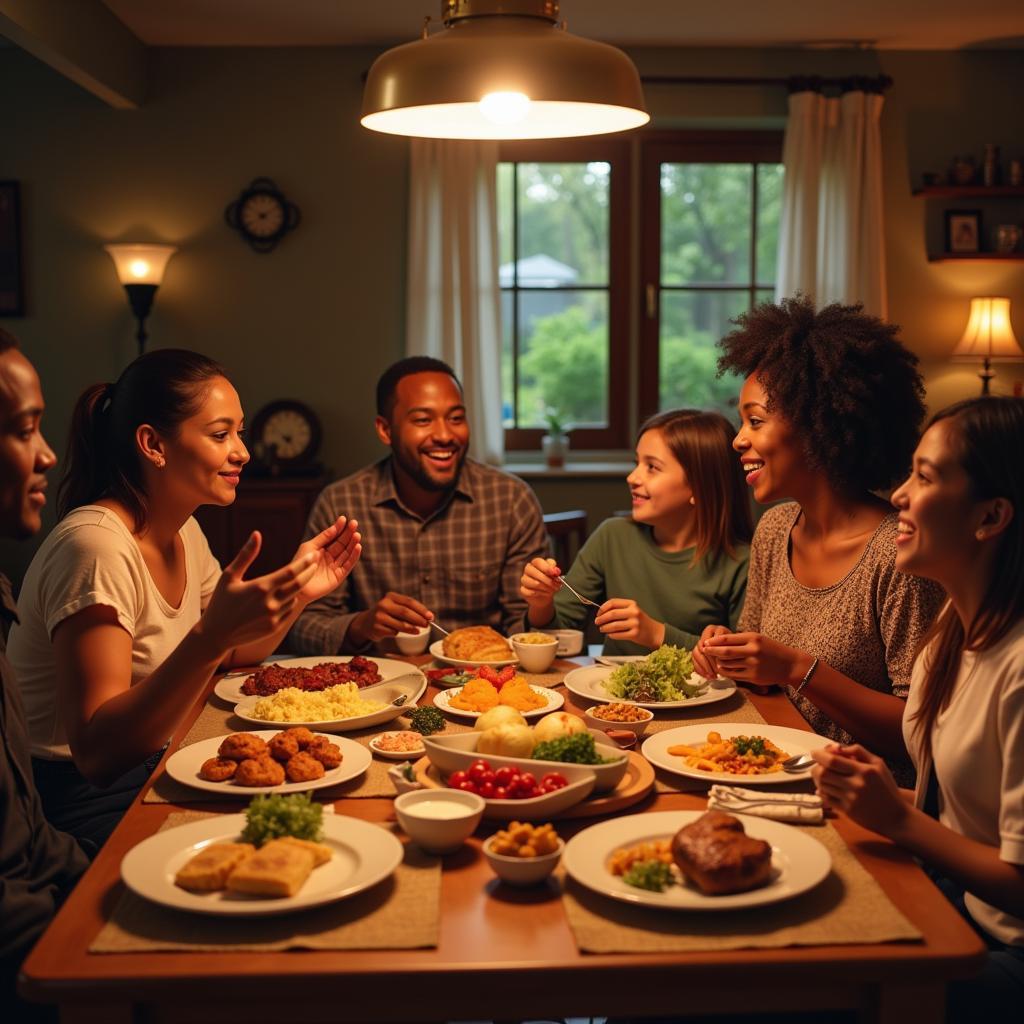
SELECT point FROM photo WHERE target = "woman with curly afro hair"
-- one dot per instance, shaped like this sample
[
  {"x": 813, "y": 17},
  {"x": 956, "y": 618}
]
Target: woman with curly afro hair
[{"x": 831, "y": 408}]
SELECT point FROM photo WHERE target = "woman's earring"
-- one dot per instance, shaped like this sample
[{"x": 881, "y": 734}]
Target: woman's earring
[
  {"x": 693, "y": 500},
  {"x": 981, "y": 534},
  {"x": 160, "y": 462}
]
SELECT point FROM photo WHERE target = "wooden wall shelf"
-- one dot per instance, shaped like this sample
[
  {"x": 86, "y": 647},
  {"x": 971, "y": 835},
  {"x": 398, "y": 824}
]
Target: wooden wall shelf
[
  {"x": 957, "y": 257},
  {"x": 970, "y": 192}
]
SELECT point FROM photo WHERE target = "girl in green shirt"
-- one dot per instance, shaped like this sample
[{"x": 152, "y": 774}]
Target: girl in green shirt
[{"x": 680, "y": 561}]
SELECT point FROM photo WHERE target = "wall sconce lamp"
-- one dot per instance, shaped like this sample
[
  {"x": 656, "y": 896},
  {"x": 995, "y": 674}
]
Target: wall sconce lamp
[
  {"x": 140, "y": 268},
  {"x": 988, "y": 337},
  {"x": 502, "y": 69}
]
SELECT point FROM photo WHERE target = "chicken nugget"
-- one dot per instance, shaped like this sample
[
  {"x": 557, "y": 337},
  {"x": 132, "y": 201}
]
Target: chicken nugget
[
  {"x": 217, "y": 769},
  {"x": 303, "y": 768},
  {"x": 260, "y": 771},
  {"x": 326, "y": 752},
  {"x": 283, "y": 747},
  {"x": 242, "y": 746},
  {"x": 302, "y": 735}
]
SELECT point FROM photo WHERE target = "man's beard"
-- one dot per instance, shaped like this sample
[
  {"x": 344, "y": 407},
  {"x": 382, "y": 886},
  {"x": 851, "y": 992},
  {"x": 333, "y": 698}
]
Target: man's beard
[{"x": 415, "y": 469}]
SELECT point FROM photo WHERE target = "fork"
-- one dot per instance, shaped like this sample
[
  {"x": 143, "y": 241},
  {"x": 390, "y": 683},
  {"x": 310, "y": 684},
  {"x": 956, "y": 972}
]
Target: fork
[
  {"x": 434, "y": 622},
  {"x": 579, "y": 597}
]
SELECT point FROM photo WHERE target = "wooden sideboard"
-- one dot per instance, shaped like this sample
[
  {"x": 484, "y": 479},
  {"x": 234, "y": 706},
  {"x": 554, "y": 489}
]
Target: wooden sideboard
[{"x": 276, "y": 506}]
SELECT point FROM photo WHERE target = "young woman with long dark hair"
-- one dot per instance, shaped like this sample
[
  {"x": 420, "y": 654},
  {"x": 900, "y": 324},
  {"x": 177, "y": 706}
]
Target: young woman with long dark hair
[
  {"x": 961, "y": 523},
  {"x": 125, "y": 613},
  {"x": 679, "y": 563}
]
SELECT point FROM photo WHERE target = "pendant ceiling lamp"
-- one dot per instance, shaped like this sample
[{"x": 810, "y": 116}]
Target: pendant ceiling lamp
[{"x": 502, "y": 69}]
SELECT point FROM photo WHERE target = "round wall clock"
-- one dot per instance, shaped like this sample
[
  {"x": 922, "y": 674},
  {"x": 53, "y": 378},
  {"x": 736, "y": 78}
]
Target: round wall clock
[
  {"x": 290, "y": 430},
  {"x": 262, "y": 215}
]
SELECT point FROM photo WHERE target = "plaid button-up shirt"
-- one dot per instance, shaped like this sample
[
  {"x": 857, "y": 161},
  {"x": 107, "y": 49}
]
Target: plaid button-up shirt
[{"x": 464, "y": 562}]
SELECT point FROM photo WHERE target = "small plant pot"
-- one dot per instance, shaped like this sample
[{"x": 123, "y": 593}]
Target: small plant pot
[{"x": 555, "y": 448}]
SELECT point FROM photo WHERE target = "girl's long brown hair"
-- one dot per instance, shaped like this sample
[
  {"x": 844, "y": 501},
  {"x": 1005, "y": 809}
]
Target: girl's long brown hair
[
  {"x": 988, "y": 436},
  {"x": 702, "y": 444}
]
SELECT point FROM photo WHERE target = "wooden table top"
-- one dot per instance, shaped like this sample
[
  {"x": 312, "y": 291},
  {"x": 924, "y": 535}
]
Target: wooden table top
[{"x": 502, "y": 952}]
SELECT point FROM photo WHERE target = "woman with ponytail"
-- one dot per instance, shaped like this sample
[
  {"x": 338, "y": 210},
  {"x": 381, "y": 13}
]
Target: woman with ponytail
[
  {"x": 125, "y": 613},
  {"x": 961, "y": 523}
]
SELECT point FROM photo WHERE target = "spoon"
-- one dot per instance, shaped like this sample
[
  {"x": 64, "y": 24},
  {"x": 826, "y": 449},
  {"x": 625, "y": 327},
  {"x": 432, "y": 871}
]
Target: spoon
[
  {"x": 799, "y": 763},
  {"x": 400, "y": 700}
]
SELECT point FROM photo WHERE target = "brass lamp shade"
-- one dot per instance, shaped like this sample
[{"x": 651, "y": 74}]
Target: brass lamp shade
[
  {"x": 502, "y": 70},
  {"x": 988, "y": 337},
  {"x": 140, "y": 264}
]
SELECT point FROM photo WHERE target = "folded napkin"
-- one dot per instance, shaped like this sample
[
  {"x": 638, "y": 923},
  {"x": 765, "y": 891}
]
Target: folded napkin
[{"x": 802, "y": 807}]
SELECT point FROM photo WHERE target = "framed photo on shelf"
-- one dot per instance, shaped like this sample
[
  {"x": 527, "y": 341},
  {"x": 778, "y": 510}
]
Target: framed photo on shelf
[
  {"x": 963, "y": 231},
  {"x": 12, "y": 292}
]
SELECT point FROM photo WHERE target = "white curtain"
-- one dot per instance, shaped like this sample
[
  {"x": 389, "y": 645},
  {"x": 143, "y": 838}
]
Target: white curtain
[
  {"x": 453, "y": 300},
  {"x": 831, "y": 239}
]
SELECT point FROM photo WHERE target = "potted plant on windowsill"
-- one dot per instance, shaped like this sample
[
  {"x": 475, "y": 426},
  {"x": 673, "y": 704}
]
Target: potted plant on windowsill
[{"x": 555, "y": 443}]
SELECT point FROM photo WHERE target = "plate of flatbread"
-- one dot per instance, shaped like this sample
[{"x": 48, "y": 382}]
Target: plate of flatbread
[{"x": 473, "y": 645}]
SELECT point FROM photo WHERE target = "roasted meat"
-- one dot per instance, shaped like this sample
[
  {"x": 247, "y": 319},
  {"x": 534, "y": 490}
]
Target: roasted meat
[
  {"x": 716, "y": 855},
  {"x": 268, "y": 679}
]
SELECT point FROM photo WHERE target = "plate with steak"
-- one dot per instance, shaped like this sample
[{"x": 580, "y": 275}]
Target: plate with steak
[
  {"x": 311, "y": 674},
  {"x": 696, "y": 860}
]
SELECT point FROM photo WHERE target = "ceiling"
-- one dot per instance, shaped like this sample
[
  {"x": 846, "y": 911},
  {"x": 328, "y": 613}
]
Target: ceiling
[{"x": 885, "y": 24}]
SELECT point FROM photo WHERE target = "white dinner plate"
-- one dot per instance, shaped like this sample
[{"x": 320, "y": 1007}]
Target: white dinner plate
[
  {"x": 589, "y": 683},
  {"x": 184, "y": 764},
  {"x": 395, "y": 755},
  {"x": 554, "y": 701},
  {"x": 437, "y": 653},
  {"x": 412, "y": 689},
  {"x": 793, "y": 741},
  {"x": 364, "y": 854},
  {"x": 229, "y": 687},
  {"x": 799, "y": 862}
]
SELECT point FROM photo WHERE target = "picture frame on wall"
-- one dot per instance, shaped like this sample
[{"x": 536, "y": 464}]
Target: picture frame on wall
[
  {"x": 12, "y": 290},
  {"x": 963, "y": 231}
]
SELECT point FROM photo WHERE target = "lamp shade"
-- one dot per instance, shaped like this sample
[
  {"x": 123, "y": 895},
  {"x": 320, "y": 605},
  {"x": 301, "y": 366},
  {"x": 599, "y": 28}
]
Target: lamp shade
[
  {"x": 502, "y": 69},
  {"x": 140, "y": 264},
  {"x": 988, "y": 334}
]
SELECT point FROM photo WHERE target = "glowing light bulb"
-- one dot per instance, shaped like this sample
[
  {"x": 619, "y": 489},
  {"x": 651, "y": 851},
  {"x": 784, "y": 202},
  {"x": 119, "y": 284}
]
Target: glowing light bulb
[
  {"x": 138, "y": 268},
  {"x": 505, "y": 107}
]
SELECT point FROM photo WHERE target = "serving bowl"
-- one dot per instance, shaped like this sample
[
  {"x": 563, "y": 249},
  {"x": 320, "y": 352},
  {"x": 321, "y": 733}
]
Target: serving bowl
[
  {"x": 458, "y": 752},
  {"x": 570, "y": 641},
  {"x": 413, "y": 641},
  {"x": 439, "y": 820},
  {"x": 603, "y": 725},
  {"x": 522, "y": 870},
  {"x": 534, "y": 657}
]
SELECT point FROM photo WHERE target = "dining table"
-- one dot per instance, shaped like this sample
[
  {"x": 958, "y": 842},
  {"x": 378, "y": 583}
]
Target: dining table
[{"x": 501, "y": 953}]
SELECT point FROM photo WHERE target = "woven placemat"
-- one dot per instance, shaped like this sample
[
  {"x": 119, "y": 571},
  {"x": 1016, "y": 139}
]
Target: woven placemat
[
  {"x": 403, "y": 912},
  {"x": 848, "y": 907}
]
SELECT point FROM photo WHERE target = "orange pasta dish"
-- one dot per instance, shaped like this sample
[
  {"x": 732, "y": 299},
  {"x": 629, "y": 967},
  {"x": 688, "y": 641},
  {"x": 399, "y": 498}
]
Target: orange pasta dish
[{"x": 738, "y": 755}]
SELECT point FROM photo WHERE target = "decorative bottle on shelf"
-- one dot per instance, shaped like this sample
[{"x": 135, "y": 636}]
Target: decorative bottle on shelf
[
  {"x": 555, "y": 443},
  {"x": 990, "y": 165}
]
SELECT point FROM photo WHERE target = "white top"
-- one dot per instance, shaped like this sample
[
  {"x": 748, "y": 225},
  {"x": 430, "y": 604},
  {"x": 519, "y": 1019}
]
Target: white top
[
  {"x": 978, "y": 750},
  {"x": 92, "y": 558}
]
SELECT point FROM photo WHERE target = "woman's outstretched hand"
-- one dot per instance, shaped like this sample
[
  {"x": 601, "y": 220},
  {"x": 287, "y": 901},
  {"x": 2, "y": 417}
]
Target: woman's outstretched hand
[
  {"x": 621, "y": 618},
  {"x": 337, "y": 549},
  {"x": 242, "y": 611}
]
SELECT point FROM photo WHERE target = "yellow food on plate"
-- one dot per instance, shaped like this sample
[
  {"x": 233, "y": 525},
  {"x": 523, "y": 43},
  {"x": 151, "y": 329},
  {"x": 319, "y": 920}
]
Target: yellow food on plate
[
  {"x": 321, "y": 851},
  {"x": 278, "y": 868},
  {"x": 738, "y": 755},
  {"x": 476, "y": 695},
  {"x": 623, "y": 859},
  {"x": 210, "y": 868},
  {"x": 329, "y": 705},
  {"x": 517, "y": 693},
  {"x": 476, "y": 643}
]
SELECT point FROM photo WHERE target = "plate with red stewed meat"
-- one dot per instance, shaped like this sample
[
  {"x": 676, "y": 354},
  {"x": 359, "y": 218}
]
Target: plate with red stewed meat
[
  {"x": 310, "y": 674},
  {"x": 696, "y": 860}
]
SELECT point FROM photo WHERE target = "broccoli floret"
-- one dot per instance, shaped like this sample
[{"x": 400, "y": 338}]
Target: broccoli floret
[
  {"x": 426, "y": 721},
  {"x": 654, "y": 875}
]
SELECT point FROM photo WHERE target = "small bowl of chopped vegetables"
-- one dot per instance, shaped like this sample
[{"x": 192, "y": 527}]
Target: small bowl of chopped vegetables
[
  {"x": 524, "y": 854},
  {"x": 619, "y": 716}
]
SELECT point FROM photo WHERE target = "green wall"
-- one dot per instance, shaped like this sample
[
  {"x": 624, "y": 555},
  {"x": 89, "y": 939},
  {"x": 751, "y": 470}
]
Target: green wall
[{"x": 321, "y": 316}]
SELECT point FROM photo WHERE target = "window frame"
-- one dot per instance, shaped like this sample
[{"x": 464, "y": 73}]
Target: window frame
[
  {"x": 615, "y": 151},
  {"x": 656, "y": 148}
]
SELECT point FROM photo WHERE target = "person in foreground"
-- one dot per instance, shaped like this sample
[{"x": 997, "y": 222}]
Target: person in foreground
[
  {"x": 961, "y": 523},
  {"x": 125, "y": 613},
  {"x": 679, "y": 563},
  {"x": 38, "y": 864},
  {"x": 831, "y": 408},
  {"x": 449, "y": 537}
]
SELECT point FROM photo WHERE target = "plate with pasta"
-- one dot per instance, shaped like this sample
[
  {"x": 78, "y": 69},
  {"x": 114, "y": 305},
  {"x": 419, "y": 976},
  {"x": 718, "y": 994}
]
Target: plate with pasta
[{"x": 738, "y": 752}]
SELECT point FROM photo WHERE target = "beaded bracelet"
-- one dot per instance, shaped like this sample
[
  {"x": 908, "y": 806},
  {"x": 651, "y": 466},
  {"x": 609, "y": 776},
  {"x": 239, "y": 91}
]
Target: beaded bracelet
[{"x": 807, "y": 676}]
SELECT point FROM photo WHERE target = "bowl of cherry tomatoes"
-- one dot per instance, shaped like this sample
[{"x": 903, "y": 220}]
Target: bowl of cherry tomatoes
[{"x": 517, "y": 792}]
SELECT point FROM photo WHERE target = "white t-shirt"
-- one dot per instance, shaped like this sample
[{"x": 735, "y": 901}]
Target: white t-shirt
[
  {"x": 91, "y": 558},
  {"x": 978, "y": 751}
]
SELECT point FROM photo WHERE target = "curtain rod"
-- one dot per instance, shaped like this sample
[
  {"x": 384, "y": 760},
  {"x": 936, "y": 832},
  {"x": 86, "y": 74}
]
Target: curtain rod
[{"x": 794, "y": 83}]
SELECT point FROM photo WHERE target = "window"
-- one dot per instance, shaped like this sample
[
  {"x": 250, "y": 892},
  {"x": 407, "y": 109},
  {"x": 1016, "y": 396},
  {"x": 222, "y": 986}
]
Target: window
[
  {"x": 711, "y": 205},
  {"x": 562, "y": 211}
]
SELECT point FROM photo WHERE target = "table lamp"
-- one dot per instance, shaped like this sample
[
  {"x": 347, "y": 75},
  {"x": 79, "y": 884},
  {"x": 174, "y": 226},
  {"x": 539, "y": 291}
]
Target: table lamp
[
  {"x": 140, "y": 268},
  {"x": 988, "y": 337}
]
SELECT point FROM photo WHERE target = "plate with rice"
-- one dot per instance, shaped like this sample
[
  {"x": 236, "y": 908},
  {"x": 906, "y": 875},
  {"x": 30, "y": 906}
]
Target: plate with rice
[{"x": 341, "y": 708}]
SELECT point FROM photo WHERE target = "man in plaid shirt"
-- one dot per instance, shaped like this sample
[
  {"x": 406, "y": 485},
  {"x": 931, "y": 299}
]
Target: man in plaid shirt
[{"x": 443, "y": 535}]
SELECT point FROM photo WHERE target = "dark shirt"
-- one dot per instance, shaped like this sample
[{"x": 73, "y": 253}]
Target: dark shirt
[{"x": 38, "y": 864}]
